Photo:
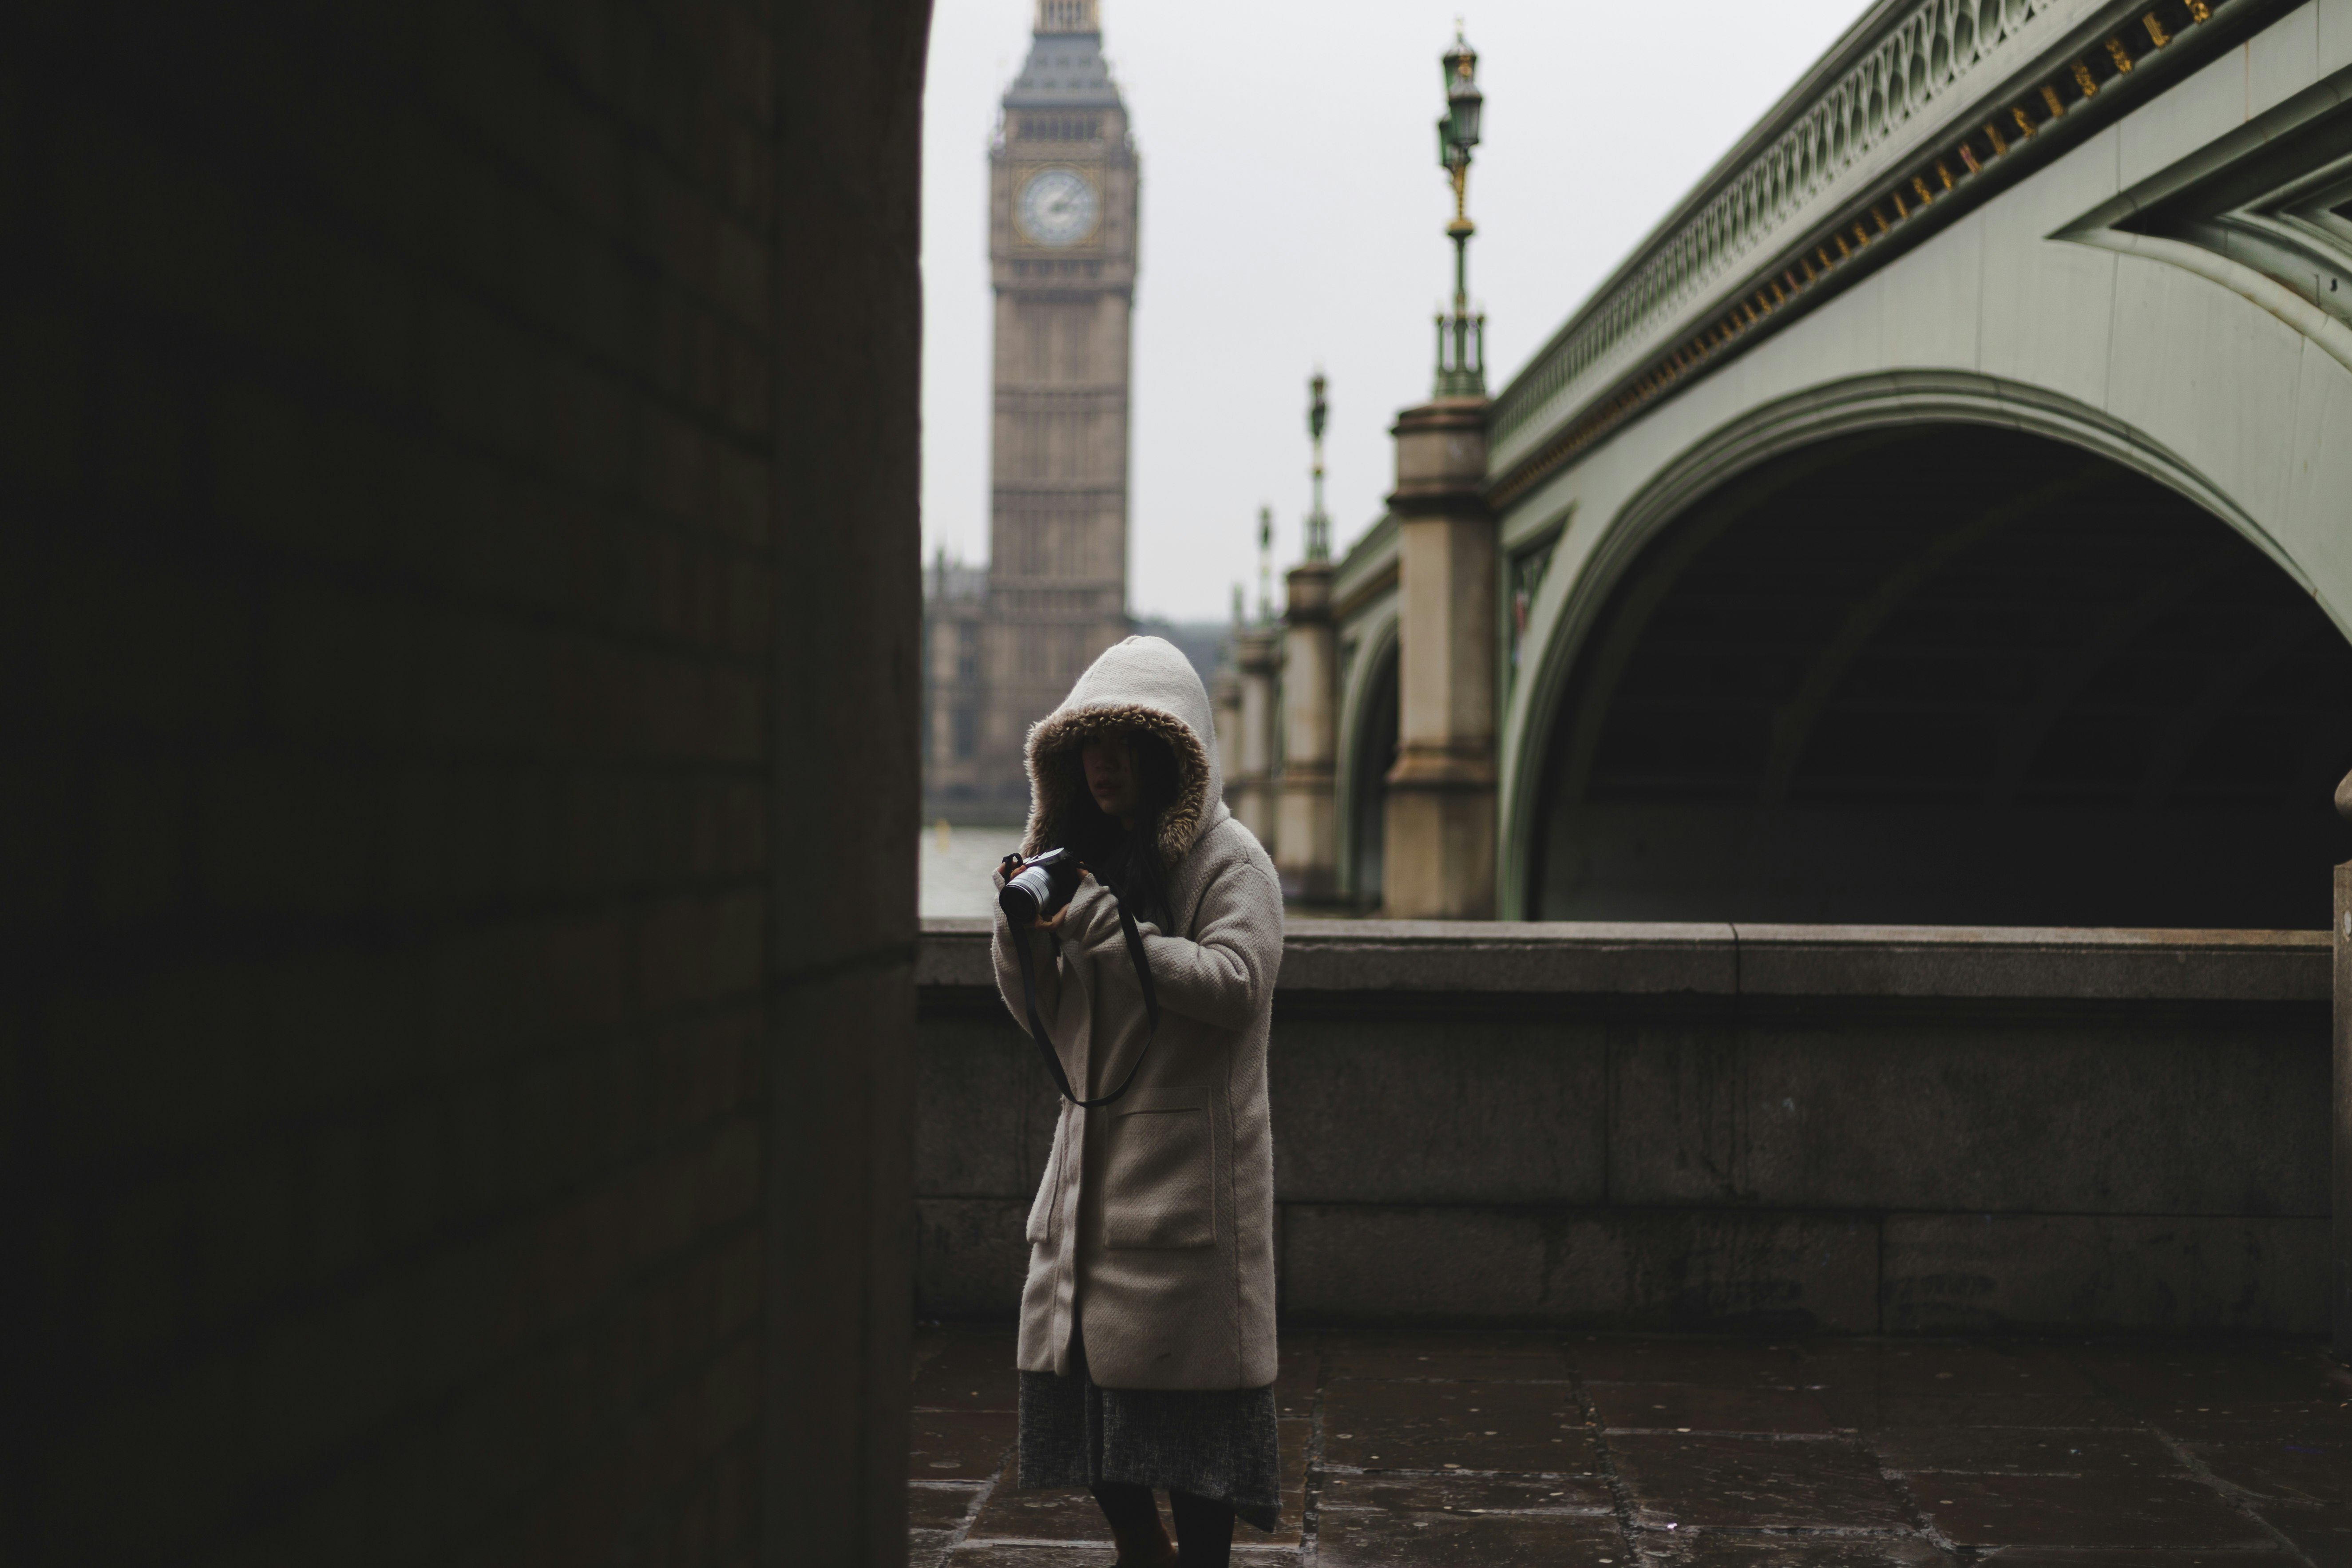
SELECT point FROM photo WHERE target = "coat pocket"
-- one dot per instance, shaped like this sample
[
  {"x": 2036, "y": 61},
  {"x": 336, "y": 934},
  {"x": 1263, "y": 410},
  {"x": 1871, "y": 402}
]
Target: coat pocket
[
  {"x": 1160, "y": 1183},
  {"x": 1041, "y": 1213}
]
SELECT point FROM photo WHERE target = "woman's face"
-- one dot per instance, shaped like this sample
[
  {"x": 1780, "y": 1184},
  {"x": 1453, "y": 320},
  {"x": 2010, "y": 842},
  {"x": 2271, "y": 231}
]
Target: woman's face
[{"x": 1110, "y": 776}]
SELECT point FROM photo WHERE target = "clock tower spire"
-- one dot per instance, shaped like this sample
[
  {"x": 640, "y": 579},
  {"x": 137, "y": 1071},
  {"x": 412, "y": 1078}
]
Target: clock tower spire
[{"x": 1062, "y": 256}]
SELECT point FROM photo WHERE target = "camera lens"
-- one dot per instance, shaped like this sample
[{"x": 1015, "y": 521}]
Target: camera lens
[{"x": 1026, "y": 896}]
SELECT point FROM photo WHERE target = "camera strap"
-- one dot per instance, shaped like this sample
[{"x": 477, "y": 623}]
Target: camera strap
[{"x": 1023, "y": 942}]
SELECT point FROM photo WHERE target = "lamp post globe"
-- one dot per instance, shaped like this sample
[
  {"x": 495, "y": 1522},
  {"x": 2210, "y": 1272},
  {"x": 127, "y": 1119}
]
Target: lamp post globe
[{"x": 1464, "y": 101}]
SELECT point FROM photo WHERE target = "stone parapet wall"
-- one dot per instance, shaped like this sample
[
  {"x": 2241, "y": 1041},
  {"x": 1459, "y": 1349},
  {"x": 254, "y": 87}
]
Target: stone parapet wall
[{"x": 1845, "y": 1128}]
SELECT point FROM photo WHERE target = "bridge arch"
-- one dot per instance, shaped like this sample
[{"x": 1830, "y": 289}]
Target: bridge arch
[{"x": 2000, "y": 660}]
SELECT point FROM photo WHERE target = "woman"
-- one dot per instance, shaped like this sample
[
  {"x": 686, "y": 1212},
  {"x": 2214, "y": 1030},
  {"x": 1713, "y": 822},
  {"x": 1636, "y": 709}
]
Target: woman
[{"x": 1146, "y": 1325}]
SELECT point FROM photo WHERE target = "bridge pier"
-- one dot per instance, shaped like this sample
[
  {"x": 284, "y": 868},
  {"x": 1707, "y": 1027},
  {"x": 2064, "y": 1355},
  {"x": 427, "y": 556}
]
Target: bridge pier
[
  {"x": 1251, "y": 788},
  {"x": 1306, "y": 850},
  {"x": 1440, "y": 853}
]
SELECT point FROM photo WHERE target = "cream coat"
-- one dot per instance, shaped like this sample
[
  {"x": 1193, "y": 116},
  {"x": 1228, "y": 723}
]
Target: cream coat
[{"x": 1153, "y": 1228}]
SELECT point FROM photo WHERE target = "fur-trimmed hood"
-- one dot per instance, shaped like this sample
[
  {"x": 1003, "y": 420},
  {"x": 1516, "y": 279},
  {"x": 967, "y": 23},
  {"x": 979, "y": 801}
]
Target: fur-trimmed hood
[{"x": 1141, "y": 683}]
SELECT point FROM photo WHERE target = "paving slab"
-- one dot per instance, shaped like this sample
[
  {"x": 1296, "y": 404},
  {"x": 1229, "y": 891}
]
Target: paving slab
[
  {"x": 1490, "y": 1541},
  {"x": 1872, "y": 1410},
  {"x": 2091, "y": 1510},
  {"x": 959, "y": 1445},
  {"x": 1297, "y": 1373},
  {"x": 1043, "y": 1514},
  {"x": 1297, "y": 1440},
  {"x": 1707, "y": 1407},
  {"x": 2314, "y": 1473},
  {"x": 931, "y": 1507},
  {"x": 1753, "y": 1482},
  {"x": 2031, "y": 1450},
  {"x": 1001, "y": 1555},
  {"x": 2222, "y": 1420},
  {"x": 1489, "y": 1357},
  {"x": 1508, "y": 1448},
  {"x": 1723, "y": 1549},
  {"x": 1403, "y": 1425},
  {"x": 1943, "y": 1367},
  {"x": 963, "y": 1370},
  {"x": 2063, "y": 1557},
  {"x": 1466, "y": 1494},
  {"x": 1658, "y": 1358},
  {"x": 2323, "y": 1534},
  {"x": 1070, "y": 1514},
  {"x": 2170, "y": 1376}
]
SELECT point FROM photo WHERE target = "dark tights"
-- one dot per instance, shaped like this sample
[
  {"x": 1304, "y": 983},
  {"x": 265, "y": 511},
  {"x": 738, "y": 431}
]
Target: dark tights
[{"x": 1204, "y": 1529}]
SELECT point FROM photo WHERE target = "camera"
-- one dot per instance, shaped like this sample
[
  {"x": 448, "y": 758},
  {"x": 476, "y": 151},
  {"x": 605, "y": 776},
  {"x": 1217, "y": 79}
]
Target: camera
[{"x": 1037, "y": 889}]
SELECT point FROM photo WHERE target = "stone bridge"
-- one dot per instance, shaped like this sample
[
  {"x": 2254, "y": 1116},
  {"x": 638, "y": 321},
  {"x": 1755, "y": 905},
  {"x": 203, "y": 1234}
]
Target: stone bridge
[{"x": 1944, "y": 515}]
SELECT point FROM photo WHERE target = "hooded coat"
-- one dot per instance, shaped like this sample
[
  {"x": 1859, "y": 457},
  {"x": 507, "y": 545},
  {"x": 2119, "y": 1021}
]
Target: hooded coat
[{"x": 1152, "y": 1233}]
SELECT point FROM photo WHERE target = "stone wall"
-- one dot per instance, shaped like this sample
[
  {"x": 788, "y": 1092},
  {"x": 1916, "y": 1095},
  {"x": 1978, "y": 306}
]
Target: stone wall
[
  {"x": 458, "y": 473},
  {"x": 1838, "y": 1129}
]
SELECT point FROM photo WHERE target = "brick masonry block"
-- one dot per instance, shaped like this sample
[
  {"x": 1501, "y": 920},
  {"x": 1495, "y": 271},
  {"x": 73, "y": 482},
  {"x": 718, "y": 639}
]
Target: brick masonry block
[
  {"x": 43, "y": 392},
  {"x": 1461, "y": 1110},
  {"x": 147, "y": 216},
  {"x": 1627, "y": 1268},
  {"x": 699, "y": 949},
  {"x": 139, "y": 812},
  {"x": 970, "y": 1257},
  {"x": 291, "y": 832},
  {"x": 2105, "y": 1114},
  {"x": 150, "y": 647},
  {"x": 1975, "y": 1273},
  {"x": 499, "y": 989},
  {"x": 741, "y": 490},
  {"x": 332, "y": 303},
  {"x": 985, "y": 1110}
]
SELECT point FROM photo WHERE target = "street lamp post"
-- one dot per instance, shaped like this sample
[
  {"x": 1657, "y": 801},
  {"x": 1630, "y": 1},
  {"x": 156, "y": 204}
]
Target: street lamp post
[
  {"x": 1265, "y": 565},
  {"x": 1462, "y": 372},
  {"x": 1438, "y": 827},
  {"x": 1318, "y": 526}
]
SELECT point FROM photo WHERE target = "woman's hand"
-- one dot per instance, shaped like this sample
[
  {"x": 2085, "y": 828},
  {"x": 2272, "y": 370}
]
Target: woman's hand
[{"x": 1055, "y": 924}]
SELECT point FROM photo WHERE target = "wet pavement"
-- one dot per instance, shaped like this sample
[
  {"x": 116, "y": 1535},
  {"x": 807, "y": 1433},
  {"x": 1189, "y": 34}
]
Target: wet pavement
[{"x": 1627, "y": 1452}]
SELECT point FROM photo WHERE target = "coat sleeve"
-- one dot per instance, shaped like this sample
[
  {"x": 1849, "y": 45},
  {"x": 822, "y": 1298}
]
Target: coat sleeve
[
  {"x": 1225, "y": 975},
  {"x": 1049, "y": 955},
  {"x": 1043, "y": 966}
]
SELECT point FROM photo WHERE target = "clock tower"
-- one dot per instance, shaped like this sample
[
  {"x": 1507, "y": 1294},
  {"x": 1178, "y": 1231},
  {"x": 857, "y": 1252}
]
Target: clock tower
[{"x": 1062, "y": 253}]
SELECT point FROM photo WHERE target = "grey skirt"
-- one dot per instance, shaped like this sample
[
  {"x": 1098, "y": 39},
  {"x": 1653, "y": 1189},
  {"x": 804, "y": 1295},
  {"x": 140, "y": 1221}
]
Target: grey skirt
[{"x": 1220, "y": 1444}]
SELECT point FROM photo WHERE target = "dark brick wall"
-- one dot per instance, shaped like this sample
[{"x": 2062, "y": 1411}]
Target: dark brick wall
[{"x": 457, "y": 577}]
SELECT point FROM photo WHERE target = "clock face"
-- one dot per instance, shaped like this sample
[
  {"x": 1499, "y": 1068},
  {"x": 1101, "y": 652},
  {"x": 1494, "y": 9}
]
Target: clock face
[{"x": 1057, "y": 207}]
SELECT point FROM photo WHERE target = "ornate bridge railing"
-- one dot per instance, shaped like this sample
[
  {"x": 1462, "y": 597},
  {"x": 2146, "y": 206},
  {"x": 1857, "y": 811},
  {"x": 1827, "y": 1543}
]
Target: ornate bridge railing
[{"x": 1922, "y": 110}]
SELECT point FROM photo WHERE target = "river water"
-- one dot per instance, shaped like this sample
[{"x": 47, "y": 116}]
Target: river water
[{"x": 952, "y": 867}]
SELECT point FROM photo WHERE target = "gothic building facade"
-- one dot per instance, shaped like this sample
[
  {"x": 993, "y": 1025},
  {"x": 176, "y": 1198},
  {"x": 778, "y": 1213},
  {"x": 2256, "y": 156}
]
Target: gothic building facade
[{"x": 1001, "y": 651}]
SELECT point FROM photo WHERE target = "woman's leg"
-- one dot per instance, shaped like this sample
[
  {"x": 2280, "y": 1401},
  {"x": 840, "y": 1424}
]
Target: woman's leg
[
  {"x": 1204, "y": 1530},
  {"x": 1134, "y": 1524}
]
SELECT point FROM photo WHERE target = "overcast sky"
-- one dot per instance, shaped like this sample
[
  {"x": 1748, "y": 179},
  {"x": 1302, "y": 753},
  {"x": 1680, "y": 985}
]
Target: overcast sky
[{"x": 1294, "y": 215}]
